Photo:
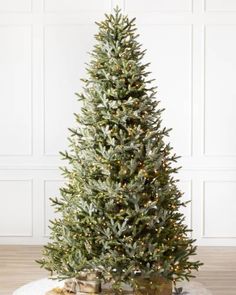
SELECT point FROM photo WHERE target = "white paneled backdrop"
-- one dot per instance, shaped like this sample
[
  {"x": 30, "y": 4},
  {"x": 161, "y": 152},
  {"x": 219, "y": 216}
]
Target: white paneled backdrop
[{"x": 43, "y": 47}]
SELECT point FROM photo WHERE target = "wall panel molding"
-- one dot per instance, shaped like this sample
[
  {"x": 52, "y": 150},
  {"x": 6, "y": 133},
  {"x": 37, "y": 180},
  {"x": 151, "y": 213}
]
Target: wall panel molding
[
  {"x": 16, "y": 216},
  {"x": 63, "y": 6},
  {"x": 55, "y": 35},
  {"x": 220, "y": 5},
  {"x": 169, "y": 6},
  {"x": 16, "y": 6},
  {"x": 220, "y": 216},
  {"x": 16, "y": 116},
  {"x": 214, "y": 94}
]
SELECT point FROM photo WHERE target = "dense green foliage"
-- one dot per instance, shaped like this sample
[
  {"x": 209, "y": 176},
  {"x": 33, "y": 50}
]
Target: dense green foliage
[{"x": 119, "y": 209}]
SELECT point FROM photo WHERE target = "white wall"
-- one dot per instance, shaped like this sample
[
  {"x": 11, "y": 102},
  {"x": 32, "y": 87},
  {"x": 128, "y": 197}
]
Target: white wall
[{"x": 43, "y": 46}]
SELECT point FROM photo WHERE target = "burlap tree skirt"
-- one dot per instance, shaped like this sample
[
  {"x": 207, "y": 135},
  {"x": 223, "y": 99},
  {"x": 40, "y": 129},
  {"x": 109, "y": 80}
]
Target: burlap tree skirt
[{"x": 43, "y": 286}]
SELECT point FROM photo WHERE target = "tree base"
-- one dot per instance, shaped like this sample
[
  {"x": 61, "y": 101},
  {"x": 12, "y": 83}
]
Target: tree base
[
  {"x": 152, "y": 285},
  {"x": 143, "y": 287}
]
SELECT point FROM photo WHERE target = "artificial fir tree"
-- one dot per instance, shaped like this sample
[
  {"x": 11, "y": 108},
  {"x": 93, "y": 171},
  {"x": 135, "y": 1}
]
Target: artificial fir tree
[{"x": 119, "y": 209}]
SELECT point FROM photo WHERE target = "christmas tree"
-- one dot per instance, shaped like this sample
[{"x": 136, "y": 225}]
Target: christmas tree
[{"x": 119, "y": 208}]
